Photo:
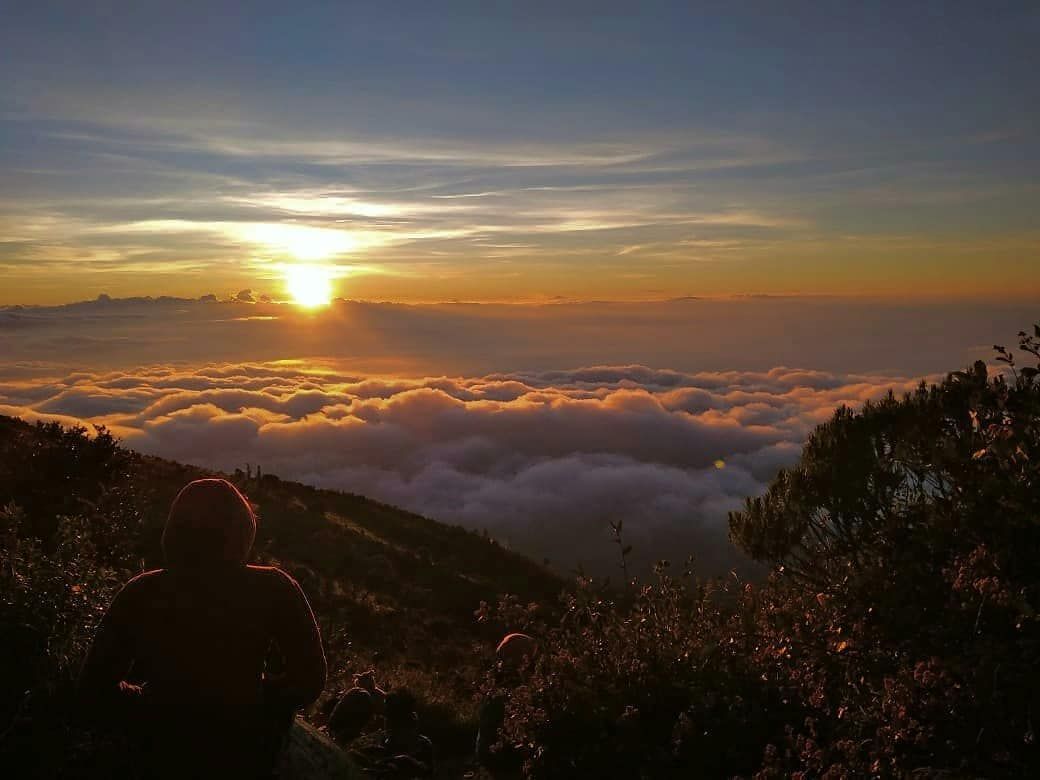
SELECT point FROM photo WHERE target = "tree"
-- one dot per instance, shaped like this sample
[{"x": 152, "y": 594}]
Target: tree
[{"x": 905, "y": 543}]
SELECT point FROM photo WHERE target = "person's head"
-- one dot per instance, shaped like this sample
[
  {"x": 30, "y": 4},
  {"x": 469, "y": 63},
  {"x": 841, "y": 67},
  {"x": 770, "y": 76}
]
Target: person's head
[
  {"x": 210, "y": 524},
  {"x": 366, "y": 680},
  {"x": 515, "y": 649}
]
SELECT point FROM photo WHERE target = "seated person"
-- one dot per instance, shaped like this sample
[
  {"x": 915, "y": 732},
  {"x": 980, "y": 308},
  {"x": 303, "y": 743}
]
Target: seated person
[
  {"x": 185, "y": 658},
  {"x": 410, "y": 752},
  {"x": 512, "y": 657},
  {"x": 356, "y": 708}
]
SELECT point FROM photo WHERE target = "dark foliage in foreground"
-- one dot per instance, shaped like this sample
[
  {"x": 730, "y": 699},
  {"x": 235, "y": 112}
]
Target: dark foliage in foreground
[
  {"x": 897, "y": 634},
  {"x": 65, "y": 547}
]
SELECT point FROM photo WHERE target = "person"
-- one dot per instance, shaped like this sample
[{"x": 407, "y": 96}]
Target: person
[
  {"x": 205, "y": 662},
  {"x": 513, "y": 656},
  {"x": 410, "y": 752},
  {"x": 356, "y": 708}
]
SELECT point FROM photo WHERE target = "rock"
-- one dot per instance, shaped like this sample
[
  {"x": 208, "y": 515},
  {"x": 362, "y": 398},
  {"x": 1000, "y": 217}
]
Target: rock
[{"x": 310, "y": 755}]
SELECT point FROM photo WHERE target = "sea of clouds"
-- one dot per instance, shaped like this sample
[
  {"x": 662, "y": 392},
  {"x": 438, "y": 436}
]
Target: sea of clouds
[{"x": 543, "y": 459}]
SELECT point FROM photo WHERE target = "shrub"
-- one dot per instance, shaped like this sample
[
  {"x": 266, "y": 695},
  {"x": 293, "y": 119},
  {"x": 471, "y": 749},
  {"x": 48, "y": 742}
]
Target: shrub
[
  {"x": 67, "y": 542},
  {"x": 645, "y": 683},
  {"x": 896, "y": 635}
]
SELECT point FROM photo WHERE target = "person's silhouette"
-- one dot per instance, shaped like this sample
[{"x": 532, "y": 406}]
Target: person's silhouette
[
  {"x": 513, "y": 658},
  {"x": 207, "y": 660}
]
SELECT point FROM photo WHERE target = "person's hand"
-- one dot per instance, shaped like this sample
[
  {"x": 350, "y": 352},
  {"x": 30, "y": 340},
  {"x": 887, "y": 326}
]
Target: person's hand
[
  {"x": 130, "y": 690},
  {"x": 130, "y": 702}
]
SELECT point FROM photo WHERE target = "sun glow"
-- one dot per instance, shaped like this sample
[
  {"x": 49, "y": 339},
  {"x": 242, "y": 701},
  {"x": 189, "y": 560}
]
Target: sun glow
[
  {"x": 303, "y": 242},
  {"x": 309, "y": 285}
]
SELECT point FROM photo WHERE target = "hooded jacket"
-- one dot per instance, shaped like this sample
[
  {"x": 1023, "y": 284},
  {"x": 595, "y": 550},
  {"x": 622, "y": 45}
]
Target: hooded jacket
[{"x": 209, "y": 640}]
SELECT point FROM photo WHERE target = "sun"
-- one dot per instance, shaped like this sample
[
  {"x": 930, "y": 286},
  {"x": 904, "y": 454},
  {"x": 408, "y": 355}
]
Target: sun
[{"x": 309, "y": 285}]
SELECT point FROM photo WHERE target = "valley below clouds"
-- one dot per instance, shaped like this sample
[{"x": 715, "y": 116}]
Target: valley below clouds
[{"x": 542, "y": 458}]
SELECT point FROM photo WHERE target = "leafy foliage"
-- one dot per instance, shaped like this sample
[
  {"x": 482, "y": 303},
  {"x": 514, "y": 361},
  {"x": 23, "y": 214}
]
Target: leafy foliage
[
  {"x": 646, "y": 683},
  {"x": 64, "y": 549},
  {"x": 908, "y": 536},
  {"x": 897, "y": 634}
]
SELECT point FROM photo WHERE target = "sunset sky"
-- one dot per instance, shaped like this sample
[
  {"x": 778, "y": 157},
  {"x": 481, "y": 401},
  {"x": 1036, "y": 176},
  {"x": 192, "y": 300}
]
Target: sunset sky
[
  {"x": 594, "y": 261},
  {"x": 519, "y": 152}
]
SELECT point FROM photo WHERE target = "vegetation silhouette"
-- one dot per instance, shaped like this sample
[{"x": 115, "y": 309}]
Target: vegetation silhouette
[{"x": 896, "y": 635}]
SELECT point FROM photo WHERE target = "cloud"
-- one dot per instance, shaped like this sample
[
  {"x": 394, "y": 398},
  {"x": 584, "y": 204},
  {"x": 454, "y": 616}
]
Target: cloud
[
  {"x": 226, "y": 200},
  {"x": 835, "y": 335},
  {"x": 487, "y": 218},
  {"x": 538, "y": 422},
  {"x": 543, "y": 460}
]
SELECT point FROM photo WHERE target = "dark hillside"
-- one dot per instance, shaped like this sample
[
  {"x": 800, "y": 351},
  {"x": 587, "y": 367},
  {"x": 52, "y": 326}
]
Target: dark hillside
[{"x": 393, "y": 590}]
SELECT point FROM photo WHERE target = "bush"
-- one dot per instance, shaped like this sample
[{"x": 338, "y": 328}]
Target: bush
[
  {"x": 896, "y": 635},
  {"x": 646, "y": 683},
  {"x": 67, "y": 535}
]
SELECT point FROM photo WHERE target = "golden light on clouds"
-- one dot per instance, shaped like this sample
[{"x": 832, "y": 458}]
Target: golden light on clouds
[
  {"x": 326, "y": 205},
  {"x": 309, "y": 285},
  {"x": 303, "y": 242}
]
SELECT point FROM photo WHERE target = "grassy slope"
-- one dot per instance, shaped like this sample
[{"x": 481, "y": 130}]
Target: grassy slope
[{"x": 392, "y": 590}]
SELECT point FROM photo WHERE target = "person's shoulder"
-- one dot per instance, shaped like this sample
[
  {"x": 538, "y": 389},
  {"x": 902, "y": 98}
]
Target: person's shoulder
[
  {"x": 276, "y": 587},
  {"x": 144, "y": 581},
  {"x": 138, "y": 589},
  {"x": 271, "y": 576},
  {"x": 266, "y": 572}
]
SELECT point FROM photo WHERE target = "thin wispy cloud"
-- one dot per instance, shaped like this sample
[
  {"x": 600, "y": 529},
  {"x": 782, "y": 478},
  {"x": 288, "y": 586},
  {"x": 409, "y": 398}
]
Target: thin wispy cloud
[{"x": 524, "y": 155}]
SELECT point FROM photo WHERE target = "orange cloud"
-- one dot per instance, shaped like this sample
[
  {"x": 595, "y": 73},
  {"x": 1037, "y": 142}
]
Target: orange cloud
[{"x": 540, "y": 459}]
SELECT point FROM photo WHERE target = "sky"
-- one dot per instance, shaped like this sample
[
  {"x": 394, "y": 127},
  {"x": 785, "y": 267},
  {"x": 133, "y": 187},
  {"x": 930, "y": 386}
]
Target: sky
[
  {"x": 525, "y": 267},
  {"x": 501, "y": 152}
]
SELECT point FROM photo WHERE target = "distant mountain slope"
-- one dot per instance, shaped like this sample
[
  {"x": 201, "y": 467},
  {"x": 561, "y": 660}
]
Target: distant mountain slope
[{"x": 392, "y": 590}]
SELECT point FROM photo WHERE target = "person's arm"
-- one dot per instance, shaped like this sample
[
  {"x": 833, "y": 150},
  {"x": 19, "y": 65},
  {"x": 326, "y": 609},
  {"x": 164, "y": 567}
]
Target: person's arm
[
  {"x": 102, "y": 683},
  {"x": 299, "y": 642}
]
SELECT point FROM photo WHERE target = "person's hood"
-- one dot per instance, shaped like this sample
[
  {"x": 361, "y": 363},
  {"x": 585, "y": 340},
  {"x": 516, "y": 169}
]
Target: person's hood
[
  {"x": 514, "y": 648},
  {"x": 210, "y": 524}
]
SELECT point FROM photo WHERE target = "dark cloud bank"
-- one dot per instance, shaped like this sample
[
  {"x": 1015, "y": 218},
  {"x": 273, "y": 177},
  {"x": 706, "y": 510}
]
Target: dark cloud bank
[{"x": 542, "y": 458}]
